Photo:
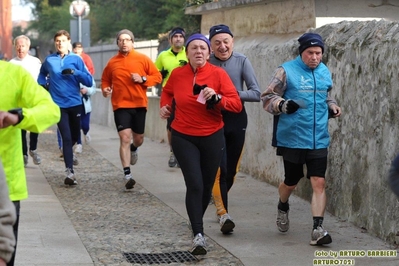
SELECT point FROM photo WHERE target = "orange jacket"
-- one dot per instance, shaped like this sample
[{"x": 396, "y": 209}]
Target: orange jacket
[
  {"x": 117, "y": 75},
  {"x": 88, "y": 62}
]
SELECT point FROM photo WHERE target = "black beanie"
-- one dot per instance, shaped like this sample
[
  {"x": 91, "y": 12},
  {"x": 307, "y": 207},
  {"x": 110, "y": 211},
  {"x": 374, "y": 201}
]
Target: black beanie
[
  {"x": 176, "y": 31},
  {"x": 221, "y": 28},
  {"x": 309, "y": 40}
]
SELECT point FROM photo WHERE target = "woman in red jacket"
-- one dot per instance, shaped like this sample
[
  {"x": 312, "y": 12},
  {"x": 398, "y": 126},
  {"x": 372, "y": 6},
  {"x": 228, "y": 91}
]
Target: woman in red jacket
[{"x": 201, "y": 91}]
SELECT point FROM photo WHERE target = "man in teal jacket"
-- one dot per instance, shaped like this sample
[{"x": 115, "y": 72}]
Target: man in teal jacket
[
  {"x": 24, "y": 104},
  {"x": 298, "y": 97}
]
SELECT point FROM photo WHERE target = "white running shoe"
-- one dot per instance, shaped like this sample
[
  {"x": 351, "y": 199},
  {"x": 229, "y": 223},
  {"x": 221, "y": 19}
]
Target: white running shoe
[
  {"x": 283, "y": 223},
  {"x": 134, "y": 157},
  {"x": 320, "y": 237},
  {"x": 70, "y": 178},
  {"x": 226, "y": 224},
  {"x": 36, "y": 157},
  {"x": 75, "y": 160},
  {"x": 199, "y": 245},
  {"x": 130, "y": 182},
  {"x": 78, "y": 148},
  {"x": 87, "y": 138}
]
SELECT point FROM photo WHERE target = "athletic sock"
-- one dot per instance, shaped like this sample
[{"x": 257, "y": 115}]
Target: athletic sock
[
  {"x": 126, "y": 170},
  {"x": 283, "y": 206},
  {"x": 317, "y": 221}
]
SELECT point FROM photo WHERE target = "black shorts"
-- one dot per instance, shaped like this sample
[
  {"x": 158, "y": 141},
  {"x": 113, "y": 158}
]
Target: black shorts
[
  {"x": 133, "y": 118},
  {"x": 294, "y": 159}
]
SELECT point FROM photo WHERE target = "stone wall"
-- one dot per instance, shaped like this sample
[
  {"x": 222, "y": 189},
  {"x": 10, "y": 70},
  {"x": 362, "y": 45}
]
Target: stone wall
[{"x": 248, "y": 17}]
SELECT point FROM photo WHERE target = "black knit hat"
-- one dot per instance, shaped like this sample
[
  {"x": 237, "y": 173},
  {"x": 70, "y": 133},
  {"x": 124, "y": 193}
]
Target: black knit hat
[
  {"x": 309, "y": 40},
  {"x": 221, "y": 28},
  {"x": 177, "y": 30}
]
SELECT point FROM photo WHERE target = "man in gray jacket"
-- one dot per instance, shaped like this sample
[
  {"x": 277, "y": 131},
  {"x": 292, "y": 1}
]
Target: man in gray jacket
[
  {"x": 7, "y": 220},
  {"x": 240, "y": 70}
]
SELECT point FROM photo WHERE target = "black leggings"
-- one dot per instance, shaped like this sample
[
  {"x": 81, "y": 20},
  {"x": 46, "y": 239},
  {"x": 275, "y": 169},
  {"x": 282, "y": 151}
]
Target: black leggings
[
  {"x": 69, "y": 127},
  {"x": 32, "y": 142},
  {"x": 199, "y": 159},
  {"x": 235, "y": 126}
]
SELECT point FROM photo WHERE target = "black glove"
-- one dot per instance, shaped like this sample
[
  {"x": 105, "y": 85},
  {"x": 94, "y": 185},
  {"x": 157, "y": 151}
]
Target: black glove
[
  {"x": 215, "y": 99},
  {"x": 288, "y": 106},
  {"x": 164, "y": 73},
  {"x": 197, "y": 88},
  {"x": 85, "y": 96},
  {"x": 67, "y": 71}
]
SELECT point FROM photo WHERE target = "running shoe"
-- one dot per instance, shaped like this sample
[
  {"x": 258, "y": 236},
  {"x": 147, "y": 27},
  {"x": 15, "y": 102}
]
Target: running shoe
[
  {"x": 226, "y": 224},
  {"x": 70, "y": 178},
  {"x": 172, "y": 160},
  {"x": 199, "y": 245},
  {"x": 320, "y": 237},
  {"x": 283, "y": 223},
  {"x": 130, "y": 182},
  {"x": 87, "y": 138},
  {"x": 78, "y": 148},
  {"x": 26, "y": 160},
  {"x": 134, "y": 157},
  {"x": 75, "y": 160}
]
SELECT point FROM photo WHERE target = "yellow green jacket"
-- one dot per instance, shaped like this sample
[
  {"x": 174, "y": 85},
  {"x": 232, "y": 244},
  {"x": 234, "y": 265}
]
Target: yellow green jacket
[
  {"x": 19, "y": 90},
  {"x": 167, "y": 60}
]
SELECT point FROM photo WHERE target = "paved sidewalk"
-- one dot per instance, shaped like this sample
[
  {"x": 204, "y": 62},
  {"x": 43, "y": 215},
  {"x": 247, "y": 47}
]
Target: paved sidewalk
[{"x": 95, "y": 222}]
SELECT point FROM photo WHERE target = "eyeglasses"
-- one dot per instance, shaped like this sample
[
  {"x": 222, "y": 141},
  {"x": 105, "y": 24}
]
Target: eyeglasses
[{"x": 124, "y": 40}]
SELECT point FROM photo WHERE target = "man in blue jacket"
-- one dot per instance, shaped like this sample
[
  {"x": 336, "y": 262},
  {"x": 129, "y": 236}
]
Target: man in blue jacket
[
  {"x": 62, "y": 73},
  {"x": 298, "y": 98}
]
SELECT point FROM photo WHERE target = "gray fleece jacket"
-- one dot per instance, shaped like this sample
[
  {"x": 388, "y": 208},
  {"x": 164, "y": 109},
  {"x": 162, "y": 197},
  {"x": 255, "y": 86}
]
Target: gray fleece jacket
[{"x": 7, "y": 220}]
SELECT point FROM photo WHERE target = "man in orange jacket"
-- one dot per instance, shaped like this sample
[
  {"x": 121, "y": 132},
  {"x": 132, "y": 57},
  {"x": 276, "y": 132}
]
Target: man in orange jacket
[{"x": 125, "y": 78}]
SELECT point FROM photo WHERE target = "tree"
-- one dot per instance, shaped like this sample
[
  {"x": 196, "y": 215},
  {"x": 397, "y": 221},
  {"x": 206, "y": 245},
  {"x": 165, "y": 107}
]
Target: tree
[{"x": 146, "y": 19}]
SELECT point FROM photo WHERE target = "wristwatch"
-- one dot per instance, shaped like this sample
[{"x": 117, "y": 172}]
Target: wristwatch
[
  {"x": 218, "y": 98},
  {"x": 144, "y": 79},
  {"x": 17, "y": 111}
]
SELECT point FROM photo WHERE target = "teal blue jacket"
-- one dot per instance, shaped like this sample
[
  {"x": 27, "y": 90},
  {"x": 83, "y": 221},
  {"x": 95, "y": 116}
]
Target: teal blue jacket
[{"x": 307, "y": 128}]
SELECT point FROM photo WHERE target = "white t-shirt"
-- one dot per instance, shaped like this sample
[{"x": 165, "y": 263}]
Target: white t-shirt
[{"x": 30, "y": 63}]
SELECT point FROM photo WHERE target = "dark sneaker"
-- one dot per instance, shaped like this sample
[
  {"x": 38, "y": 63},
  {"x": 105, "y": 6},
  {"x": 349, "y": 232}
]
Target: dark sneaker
[
  {"x": 26, "y": 160},
  {"x": 283, "y": 223},
  {"x": 226, "y": 224},
  {"x": 129, "y": 181},
  {"x": 319, "y": 237},
  {"x": 70, "y": 178},
  {"x": 36, "y": 157},
  {"x": 172, "y": 160},
  {"x": 199, "y": 245}
]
